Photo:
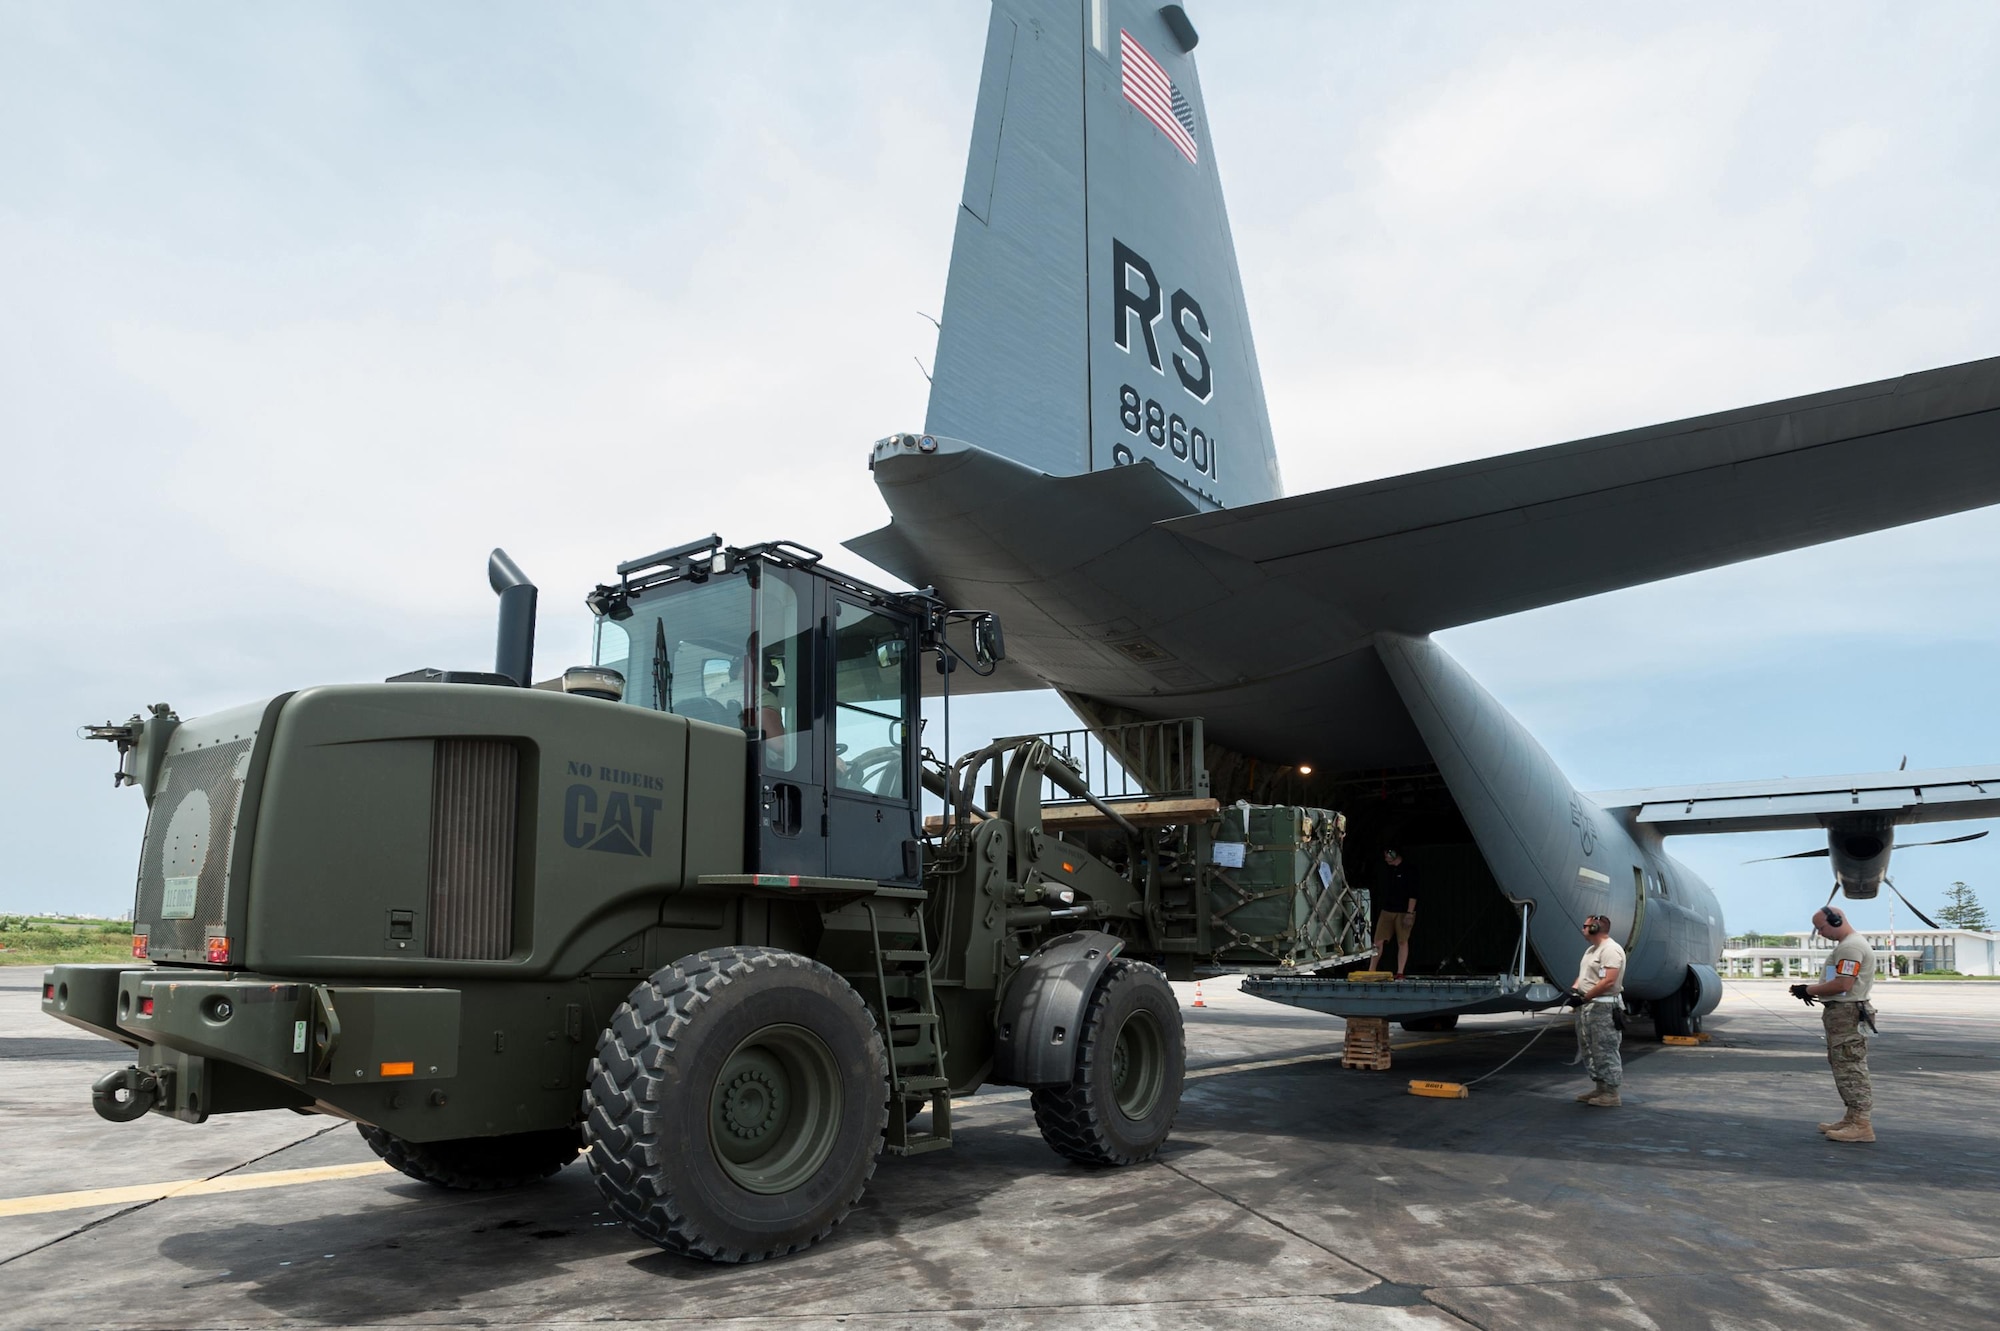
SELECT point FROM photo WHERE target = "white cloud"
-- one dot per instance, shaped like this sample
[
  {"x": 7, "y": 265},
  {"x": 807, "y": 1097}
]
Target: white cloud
[{"x": 1847, "y": 152}]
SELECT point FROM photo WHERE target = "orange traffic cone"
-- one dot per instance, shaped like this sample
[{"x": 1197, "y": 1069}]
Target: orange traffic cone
[{"x": 1197, "y": 995}]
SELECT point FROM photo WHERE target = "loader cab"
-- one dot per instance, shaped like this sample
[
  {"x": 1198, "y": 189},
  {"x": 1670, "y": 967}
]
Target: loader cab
[{"x": 817, "y": 670}]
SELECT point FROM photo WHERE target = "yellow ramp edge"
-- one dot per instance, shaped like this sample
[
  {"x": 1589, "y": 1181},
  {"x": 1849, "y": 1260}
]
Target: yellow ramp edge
[{"x": 197, "y": 1187}]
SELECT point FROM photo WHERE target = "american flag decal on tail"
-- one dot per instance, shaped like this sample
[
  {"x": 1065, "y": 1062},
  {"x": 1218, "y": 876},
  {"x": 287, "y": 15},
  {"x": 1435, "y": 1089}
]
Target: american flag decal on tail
[{"x": 1148, "y": 88}]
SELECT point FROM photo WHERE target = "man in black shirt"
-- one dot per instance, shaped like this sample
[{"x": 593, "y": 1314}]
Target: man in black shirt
[{"x": 1397, "y": 915}]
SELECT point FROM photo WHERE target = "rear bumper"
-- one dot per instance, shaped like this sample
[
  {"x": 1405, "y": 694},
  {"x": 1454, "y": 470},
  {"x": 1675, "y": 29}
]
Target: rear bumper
[{"x": 229, "y": 1041}]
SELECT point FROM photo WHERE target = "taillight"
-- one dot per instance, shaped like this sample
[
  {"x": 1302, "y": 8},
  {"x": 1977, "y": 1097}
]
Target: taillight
[
  {"x": 218, "y": 951},
  {"x": 139, "y": 945},
  {"x": 48, "y": 993},
  {"x": 145, "y": 1007}
]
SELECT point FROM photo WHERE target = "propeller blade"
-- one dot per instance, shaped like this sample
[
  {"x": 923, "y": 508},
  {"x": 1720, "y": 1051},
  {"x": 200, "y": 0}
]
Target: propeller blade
[
  {"x": 1948, "y": 841},
  {"x": 1819, "y": 854},
  {"x": 1906, "y": 901}
]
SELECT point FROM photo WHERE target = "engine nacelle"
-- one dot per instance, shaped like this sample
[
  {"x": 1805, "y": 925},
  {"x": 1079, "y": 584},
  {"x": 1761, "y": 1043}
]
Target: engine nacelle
[{"x": 1859, "y": 851}]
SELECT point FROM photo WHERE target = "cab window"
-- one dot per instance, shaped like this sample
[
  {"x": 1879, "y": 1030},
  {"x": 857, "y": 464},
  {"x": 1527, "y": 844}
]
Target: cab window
[
  {"x": 783, "y": 715},
  {"x": 871, "y": 732}
]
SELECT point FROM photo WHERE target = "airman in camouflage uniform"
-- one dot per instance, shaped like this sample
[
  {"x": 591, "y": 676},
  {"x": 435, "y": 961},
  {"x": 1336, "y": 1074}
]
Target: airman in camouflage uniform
[
  {"x": 1599, "y": 989},
  {"x": 1843, "y": 989}
]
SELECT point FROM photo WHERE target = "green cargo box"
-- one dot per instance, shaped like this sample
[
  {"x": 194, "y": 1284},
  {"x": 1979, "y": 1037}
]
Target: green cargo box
[{"x": 1277, "y": 891}]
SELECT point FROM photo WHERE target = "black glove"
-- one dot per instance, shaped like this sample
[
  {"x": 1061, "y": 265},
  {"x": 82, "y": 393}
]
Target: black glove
[
  {"x": 1799, "y": 992},
  {"x": 1573, "y": 998}
]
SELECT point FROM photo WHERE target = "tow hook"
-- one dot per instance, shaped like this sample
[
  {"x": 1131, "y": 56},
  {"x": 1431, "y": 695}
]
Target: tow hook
[{"x": 142, "y": 1088}]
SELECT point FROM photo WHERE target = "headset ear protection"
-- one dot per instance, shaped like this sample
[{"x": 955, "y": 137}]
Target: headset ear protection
[
  {"x": 1834, "y": 919},
  {"x": 1597, "y": 924}
]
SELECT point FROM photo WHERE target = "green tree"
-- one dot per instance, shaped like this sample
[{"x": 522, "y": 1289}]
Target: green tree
[{"x": 1964, "y": 910}]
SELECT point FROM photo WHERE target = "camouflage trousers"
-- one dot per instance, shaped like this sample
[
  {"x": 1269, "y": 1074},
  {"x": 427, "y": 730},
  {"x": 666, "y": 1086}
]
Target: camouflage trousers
[
  {"x": 1597, "y": 1034},
  {"x": 1847, "y": 1051}
]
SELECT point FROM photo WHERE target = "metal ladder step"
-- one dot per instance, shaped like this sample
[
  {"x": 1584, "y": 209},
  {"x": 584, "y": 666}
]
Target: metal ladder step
[
  {"x": 919, "y": 1145},
  {"x": 925, "y": 1084},
  {"x": 913, "y": 1018},
  {"x": 906, "y": 956}
]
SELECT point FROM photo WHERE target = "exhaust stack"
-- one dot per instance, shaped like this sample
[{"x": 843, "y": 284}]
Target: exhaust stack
[{"x": 514, "y": 651}]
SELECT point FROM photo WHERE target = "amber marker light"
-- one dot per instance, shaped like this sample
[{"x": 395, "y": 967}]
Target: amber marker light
[
  {"x": 140, "y": 944},
  {"x": 218, "y": 951},
  {"x": 399, "y": 1069}
]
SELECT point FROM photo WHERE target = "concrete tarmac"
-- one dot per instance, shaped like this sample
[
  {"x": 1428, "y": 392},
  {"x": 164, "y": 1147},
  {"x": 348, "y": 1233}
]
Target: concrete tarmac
[{"x": 1292, "y": 1194}]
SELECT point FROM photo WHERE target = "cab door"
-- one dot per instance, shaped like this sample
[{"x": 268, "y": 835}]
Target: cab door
[
  {"x": 783, "y": 718},
  {"x": 871, "y": 766}
]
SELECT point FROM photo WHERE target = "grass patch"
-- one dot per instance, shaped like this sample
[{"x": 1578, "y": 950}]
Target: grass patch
[{"x": 27, "y": 940}]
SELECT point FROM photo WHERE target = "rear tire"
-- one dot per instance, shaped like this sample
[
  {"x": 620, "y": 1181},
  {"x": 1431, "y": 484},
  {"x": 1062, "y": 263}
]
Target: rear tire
[
  {"x": 1130, "y": 1064},
  {"x": 477, "y": 1164},
  {"x": 736, "y": 1105},
  {"x": 1447, "y": 1022}
]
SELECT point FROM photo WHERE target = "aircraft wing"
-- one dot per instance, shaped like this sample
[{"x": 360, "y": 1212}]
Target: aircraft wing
[
  {"x": 1941, "y": 795},
  {"x": 1454, "y": 545}
]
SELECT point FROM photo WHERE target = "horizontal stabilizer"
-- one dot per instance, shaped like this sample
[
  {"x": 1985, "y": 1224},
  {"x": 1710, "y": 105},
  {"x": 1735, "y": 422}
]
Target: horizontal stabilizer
[
  {"x": 1459, "y": 544},
  {"x": 1942, "y": 795}
]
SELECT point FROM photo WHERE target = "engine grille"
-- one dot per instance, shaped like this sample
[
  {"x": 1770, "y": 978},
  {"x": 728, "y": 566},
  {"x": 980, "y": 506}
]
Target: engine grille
[
  {"x": 474, "y": 798},
  {"x": 183, "y": 889}
]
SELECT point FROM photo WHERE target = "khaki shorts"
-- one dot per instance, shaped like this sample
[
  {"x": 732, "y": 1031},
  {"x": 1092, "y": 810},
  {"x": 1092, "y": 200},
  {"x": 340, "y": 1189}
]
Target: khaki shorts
[{"x": 1393, "y": 924}]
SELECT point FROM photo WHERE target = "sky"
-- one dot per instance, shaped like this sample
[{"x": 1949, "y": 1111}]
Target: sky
[{"x": 304, "y": 308}]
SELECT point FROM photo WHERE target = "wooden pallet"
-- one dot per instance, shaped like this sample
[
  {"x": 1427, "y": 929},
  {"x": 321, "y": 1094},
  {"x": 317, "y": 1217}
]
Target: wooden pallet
[{"x": 1367, "y": 1044}]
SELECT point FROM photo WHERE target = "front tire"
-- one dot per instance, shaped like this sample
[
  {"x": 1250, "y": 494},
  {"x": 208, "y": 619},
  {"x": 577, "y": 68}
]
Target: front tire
[
  {"x": 1131, "y": 1061},
  {"x": 736, "y": 1105},
  {"x": 477, "y": 1164}
]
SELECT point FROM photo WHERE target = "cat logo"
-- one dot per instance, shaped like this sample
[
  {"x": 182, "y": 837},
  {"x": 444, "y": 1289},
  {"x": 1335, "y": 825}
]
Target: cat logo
[{"x": 620, "y": 823}]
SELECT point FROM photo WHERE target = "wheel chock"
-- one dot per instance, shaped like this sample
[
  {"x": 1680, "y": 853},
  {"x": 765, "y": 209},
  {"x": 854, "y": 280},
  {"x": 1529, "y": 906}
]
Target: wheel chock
[
  {"x": 1440, "y": 1090},
  {"x": 1680, "y": 1039}
]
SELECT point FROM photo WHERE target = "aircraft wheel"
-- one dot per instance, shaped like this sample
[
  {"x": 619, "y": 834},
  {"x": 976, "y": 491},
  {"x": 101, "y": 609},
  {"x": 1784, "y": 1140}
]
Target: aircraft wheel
[
  {"x": 477, "y": 1164},
  {"x": 1447, "y": 1022},
  {"x": 1671, "y": 1015},
  {"x": 1130, "y": 1062},
  {"x": 736, "y": 1105}
]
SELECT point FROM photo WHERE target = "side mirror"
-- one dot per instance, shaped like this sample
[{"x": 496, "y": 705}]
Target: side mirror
[{"x": 987, "y": 644}]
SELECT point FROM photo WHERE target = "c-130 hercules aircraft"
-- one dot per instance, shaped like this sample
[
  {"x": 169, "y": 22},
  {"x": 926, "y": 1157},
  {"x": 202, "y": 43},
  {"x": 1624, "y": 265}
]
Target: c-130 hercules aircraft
[{"x": 1097, "y": 466}]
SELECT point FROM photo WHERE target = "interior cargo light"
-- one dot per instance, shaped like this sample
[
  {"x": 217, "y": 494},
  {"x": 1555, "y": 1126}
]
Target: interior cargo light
[
  {"x": 1305, "y": 769},
  {"x": 399, "y": 1069},
  {"x": 146, "y": 1007},
  {"x": 140, "y": 945},
  {"x": 218, "y": 951}
]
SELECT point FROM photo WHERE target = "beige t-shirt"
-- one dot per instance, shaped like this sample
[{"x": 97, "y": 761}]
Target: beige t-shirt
[
  {"x": 1605, "y": 956},
  {"x": 1851, "y": 956}
]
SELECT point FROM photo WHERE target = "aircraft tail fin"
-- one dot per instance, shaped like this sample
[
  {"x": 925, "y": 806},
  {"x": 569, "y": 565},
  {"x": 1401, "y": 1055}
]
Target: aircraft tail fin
[{"x": 1094, "y": 316}]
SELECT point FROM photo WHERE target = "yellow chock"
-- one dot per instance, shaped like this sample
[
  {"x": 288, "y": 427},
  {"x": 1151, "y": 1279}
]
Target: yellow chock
[
  {"x": 1369, "y": 977},
  {"x": 1680, "y": 1039},
  {"x": 1440, "y": 1090}
]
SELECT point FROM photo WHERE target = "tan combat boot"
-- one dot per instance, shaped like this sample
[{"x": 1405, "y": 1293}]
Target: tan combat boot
[
  {"x": 1843, "y": 1121},
  {"x": 1597, "y": 1088},
  {"x": 1607, "y": 1098},
  {"x": 1860, "y": 1130}
]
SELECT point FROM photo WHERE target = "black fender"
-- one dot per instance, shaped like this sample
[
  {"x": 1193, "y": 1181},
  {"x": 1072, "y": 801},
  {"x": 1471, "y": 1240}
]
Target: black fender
[{"x": 1043, "y": 1007}]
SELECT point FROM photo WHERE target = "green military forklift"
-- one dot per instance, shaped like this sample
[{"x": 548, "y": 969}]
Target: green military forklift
[{"x": 682, "y": 910}]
